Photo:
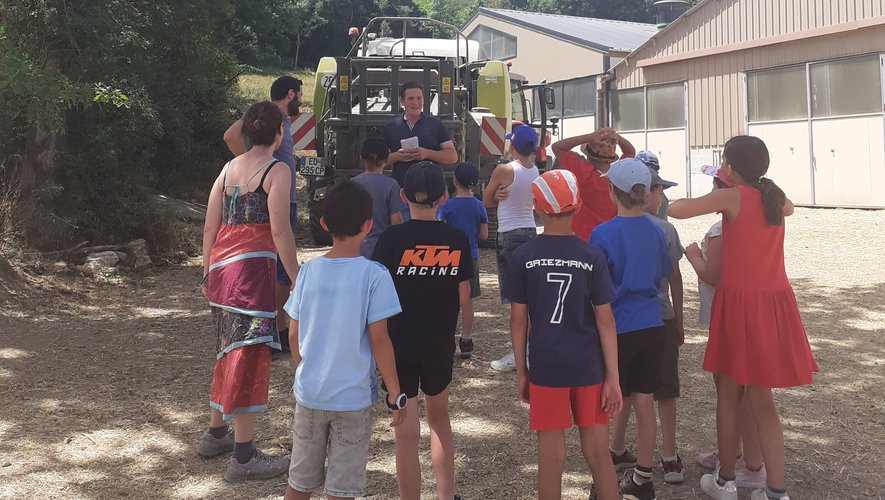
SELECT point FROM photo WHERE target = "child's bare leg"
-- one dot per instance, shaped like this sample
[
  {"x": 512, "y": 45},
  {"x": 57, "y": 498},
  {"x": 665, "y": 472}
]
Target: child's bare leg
[
  {"x": 293, "y": 494},
  {"x": 442, "y": 445},
  {"x": 771, "y": 435},
  {"x": 667, "y": 414},
  {"x": 599, "y": 460},
  {"x": 619, "y": 426},
  {"x": 551, "y": 460},
  {"x": 646, "y": 427},
  {"x": 245, "y": 427},
  {"x": 467, "y": 317},
  {"x": 408, "y": 470},
  {"x": 749, "y": 443},
  {"x": 216, "y": 419},
  {"x": 727, "y": 403}
]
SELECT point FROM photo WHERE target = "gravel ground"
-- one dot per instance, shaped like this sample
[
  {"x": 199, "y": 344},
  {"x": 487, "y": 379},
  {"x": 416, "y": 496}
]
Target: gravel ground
[{"x": 105, "y": 385}]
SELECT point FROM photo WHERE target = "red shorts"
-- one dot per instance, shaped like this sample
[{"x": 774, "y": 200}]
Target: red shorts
[{"x": 550, "y": 408}]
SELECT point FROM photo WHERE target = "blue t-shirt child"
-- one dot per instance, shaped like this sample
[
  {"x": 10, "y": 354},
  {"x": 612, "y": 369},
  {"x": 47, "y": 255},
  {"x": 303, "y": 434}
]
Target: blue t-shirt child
[
  {"x": 635, "y": 251},
  {"x": 385, "y": 201},
  {"x": 560, "y": 279},
  {"x": 334, "y": 302},
  {"x": 466, "y": 214}
]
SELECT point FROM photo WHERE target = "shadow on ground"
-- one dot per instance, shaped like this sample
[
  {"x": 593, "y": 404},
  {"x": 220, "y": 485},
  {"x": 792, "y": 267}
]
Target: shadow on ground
[{"x": 104, "y": 396}]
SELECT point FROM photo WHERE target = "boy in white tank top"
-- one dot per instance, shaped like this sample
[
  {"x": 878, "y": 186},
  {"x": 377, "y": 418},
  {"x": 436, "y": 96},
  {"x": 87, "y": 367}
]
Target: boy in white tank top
[{"x": 510, "y": 190}]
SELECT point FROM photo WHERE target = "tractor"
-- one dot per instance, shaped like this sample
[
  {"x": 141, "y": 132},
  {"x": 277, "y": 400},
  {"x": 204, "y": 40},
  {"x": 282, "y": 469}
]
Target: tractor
[{"x": 355, "y": 96}]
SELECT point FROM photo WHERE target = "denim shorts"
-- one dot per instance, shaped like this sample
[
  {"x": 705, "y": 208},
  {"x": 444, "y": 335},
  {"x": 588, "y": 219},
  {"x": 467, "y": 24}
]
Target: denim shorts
[
  {"x": 505, "y": 245},
  {"x": 282, "y": 276},
  {"x": 343, "y": 437}
]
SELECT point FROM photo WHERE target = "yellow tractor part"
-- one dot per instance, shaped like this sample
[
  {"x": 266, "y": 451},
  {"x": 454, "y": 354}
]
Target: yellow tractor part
[
  {"x": 493, "y": 91},
  {"x": 325, "y": 77}
]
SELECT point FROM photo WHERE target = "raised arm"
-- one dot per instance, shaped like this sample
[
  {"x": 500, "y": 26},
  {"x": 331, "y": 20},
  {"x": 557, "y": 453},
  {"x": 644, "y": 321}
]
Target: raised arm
[
  {"x": 719, "y": 200},
  {"x": 233, "y": 137}
]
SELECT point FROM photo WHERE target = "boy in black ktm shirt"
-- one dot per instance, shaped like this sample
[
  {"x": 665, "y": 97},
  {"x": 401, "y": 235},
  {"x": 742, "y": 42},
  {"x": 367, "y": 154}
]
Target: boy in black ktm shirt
[{"x": 431, "y": 267}]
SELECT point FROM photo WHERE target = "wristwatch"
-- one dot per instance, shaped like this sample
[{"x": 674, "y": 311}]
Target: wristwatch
[{"x": 399, "y": 403}]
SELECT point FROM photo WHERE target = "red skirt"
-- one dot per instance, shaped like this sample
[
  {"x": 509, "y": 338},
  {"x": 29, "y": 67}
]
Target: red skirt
[
  {"x": 757, "y": 338},
  {"x": 241, "y": 381}
]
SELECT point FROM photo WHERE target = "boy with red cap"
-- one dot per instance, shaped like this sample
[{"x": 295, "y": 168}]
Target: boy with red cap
[
  {"x": 600, "y": 150},
  {"x": 560, "y": 294}
]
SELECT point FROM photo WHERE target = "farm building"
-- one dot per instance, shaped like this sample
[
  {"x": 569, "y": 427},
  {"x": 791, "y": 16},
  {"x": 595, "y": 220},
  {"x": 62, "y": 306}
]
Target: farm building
[
  {"x": 804, "y": 75},
  {"x": 571, "y": 53}
]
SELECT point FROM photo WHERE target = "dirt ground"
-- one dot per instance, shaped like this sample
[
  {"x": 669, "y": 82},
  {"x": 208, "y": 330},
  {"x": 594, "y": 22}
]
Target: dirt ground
[{"x": 105, "y": 385}]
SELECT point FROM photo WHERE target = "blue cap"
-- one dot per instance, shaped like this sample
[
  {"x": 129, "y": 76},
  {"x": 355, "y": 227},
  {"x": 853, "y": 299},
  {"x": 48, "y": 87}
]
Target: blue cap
[
  {"x": 524, "y": 139},
  {"x": 650, "y": 159},
  {"x": 628, "y": 172},
  {"x": 466, "y": 173}
]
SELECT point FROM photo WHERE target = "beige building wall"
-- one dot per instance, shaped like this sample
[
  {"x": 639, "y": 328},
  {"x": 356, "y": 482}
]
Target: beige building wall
[
  {"x": 713, "y": 44},
  {"x": 540, "y": 56}
]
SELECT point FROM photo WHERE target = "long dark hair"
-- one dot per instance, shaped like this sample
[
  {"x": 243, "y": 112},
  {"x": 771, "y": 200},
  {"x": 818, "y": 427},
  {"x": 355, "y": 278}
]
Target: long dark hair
[{"x": 748, "y": 156}]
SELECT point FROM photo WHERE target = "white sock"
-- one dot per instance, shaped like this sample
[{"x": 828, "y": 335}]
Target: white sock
[
  {"x": 670, "y": 459},
  {"x": 466, "y": 336},
  {"x": 618, "y": 452}
]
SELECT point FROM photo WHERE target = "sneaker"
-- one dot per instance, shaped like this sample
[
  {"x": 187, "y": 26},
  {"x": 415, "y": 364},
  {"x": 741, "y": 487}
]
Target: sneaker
[
  {"x": 708, "y": 460},
  {"x": 260, "y": 467},
  {"x": 623, "y": 461},
  {"x": 710, "y": 486},
  {"x": 505, "y": 364},
  {"x": 466, "y": 348},
  {"x": 673, "y": 470},
  {"x": 746, "y": 478},
  {"x": 761, "y": 495},
  {"x": 211, "y": 446},
  {"x": 632, "y": 491}
]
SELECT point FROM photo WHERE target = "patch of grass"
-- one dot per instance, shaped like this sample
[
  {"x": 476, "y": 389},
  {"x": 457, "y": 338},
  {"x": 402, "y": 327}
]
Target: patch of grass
[{"x": 255, "y": 87}]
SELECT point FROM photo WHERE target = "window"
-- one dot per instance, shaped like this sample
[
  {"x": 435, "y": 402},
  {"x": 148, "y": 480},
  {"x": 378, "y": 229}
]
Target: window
[
  {"x": 666, "y": 106},
  {"x": 518, "y": 103},
  {"x": 628, "y": 109},
  {"x": 579, "y": 97},
  {"x": 494, "y": 44},
  {"x": 778, "y": 94},
  {"x": 846, "y": 87}
]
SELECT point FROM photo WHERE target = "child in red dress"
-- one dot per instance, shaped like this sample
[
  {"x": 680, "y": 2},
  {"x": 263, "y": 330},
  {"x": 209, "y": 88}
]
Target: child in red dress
[{"x": 757, "y": 340}]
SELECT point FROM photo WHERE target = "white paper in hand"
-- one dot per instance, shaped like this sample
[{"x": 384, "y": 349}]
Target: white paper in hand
[{"x": 409, "y": 144}]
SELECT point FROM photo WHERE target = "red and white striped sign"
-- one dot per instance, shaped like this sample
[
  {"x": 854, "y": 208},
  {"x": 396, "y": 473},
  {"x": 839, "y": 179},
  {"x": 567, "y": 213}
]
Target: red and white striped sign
[
  {"x": 491, "y": 139},
  {"x": 304, "y": 132}
]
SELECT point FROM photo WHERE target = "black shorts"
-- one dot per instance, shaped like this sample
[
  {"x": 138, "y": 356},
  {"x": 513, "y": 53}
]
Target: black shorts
[
  {"x": 669, "y": 388},
  {"x": 639, "y": 360},
  {"x": 432, "y": 376},
  {"x": 474, "y": 281}
]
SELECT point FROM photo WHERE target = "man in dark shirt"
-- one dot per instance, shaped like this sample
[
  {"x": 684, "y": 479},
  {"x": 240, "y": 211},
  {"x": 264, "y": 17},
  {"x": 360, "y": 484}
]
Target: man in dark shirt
[{"x": 434, "y": 141}]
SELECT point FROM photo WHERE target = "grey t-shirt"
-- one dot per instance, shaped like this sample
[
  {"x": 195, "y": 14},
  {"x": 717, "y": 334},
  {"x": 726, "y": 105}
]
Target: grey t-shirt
[
  {"x": 385, "y": 201},
  {"x": 675, "y": 252},
  {"x": 286, "y": 155}
]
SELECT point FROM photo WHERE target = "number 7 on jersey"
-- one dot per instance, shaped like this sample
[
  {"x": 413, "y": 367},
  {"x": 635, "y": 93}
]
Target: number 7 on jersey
[{"x": 565, "y": 281}]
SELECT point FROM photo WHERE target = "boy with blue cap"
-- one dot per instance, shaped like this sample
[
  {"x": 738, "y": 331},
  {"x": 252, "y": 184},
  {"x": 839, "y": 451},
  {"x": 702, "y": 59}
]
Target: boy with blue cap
[
  {"x": 510, "y": 190},
  {"x": 466, "y": 213},
  {"x": 635, "y": 249}
]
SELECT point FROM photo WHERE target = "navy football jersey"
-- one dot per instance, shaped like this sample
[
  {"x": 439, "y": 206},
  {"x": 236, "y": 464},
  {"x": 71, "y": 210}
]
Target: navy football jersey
[{"x": 560, "y": 279}]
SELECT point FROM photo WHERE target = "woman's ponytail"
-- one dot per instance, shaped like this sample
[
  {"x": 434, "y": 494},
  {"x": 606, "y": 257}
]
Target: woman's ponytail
[{"x": 773, "y": 200}]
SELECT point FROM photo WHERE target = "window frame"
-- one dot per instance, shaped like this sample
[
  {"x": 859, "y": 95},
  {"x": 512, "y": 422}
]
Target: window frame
[{"x": 475, "y": 33}]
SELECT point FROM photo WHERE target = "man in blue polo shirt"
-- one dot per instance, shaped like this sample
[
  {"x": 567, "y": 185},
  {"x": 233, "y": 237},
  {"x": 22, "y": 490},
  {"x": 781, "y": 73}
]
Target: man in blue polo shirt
[{"x": 434, "y": 142}]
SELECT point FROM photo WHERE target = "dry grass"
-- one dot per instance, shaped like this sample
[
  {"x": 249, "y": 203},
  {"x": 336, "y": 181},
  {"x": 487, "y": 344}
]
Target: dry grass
[
  {"x": 105, "y": 385},
  {"x": 255, "y": 87}
]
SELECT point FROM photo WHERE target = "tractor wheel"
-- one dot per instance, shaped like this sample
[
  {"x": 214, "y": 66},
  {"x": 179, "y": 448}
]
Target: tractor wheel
[
  {"x": 319, "y": 235},
  {"x": 493, "y": 230}
]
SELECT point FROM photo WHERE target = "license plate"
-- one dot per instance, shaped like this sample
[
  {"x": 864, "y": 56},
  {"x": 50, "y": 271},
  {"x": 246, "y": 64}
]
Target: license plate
[{"x": 312, "y": 166}]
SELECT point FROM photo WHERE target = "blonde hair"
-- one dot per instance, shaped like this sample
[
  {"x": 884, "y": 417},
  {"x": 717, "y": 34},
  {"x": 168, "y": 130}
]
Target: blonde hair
[{"x": 636, "y": 197}]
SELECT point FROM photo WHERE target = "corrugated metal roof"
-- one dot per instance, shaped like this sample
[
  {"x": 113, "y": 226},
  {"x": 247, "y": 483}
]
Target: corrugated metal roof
[{"x": 599, "y": 34}]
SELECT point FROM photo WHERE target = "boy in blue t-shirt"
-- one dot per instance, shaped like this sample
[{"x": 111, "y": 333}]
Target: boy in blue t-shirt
[
  {"x": 635, "y": 250},
  {"x": 386, "y": 202},
  {"x": 468, "y": 214},
  {"x": 339, "y": 310},
  {"x": 560, "y": 293}
]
